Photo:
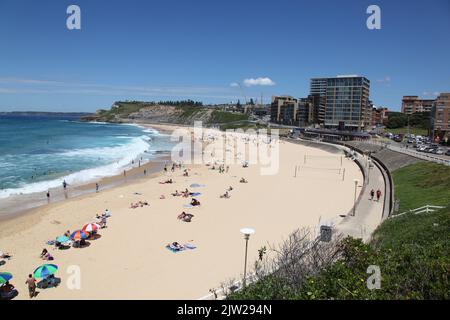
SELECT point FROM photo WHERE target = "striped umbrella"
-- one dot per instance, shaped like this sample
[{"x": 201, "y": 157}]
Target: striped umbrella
[
  {"x": 62, "y": 239},
  {"x": 78, "y": 235},
  {"x": 45, "y": 270},
  {"x": 5, "y": 276},
  {"x": 90, "y": 227}
]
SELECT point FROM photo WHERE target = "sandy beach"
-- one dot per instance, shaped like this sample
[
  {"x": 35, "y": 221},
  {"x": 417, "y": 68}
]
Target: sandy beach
[{"x": 130, "y": 261}]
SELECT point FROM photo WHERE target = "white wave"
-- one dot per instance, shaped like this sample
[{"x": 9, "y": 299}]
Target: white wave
[{"x": 127, "y": 153}]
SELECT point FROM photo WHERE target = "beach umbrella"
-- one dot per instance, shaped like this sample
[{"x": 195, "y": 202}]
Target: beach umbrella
[
  {"x": 5, "y": 276},
  {"x": 78, "y": 235},
  {"x": 45, "y": 270},
  {"x": 90, "y": 227},
  {"x": 62, "y": 239}
]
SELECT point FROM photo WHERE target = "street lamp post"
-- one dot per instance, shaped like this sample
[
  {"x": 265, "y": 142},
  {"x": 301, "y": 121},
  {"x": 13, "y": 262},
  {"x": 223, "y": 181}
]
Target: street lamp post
[
  {"x": 354, "y": 200},
  {"x": 246, "y": 232}
]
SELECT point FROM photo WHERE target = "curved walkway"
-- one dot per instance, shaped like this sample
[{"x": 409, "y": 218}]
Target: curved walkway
[{"x": 368, "y": 214}]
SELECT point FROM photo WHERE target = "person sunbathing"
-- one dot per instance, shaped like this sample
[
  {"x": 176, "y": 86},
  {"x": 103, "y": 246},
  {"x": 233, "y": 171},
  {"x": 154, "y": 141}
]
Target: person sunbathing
[
  {"x": 43, "y": 253},
  {"x": 226, "y": 195},
  {"x": 243, "y": 180},
  {"x": 195, "y": 202},
  {"x": 67, "y": 233},
  {"x": 176, "y": 246},
  {"x": 230, "y": 188},
  {"x": 5, "y": 256},
  {"x": 188, "y": 217},
  {"x": 132, "y": 206},
  {"x": 176, "y": 193}
]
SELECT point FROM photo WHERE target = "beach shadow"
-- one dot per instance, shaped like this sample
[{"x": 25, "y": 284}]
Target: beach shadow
[
  {"x": 95, "y": 236},
  {"x": 49, "y": 283},
  {"x": 81, "y": 246}
]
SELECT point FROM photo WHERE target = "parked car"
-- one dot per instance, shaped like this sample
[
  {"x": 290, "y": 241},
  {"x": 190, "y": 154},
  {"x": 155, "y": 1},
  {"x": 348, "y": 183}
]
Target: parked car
[
  {"x": 448, "y": 152},
  {"x": 439, "y": 151}
]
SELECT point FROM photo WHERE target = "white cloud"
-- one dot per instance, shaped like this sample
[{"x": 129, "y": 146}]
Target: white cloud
[
  {"x": 258, "y": 82},
  {"x": 234, "y": 84},
  {"x": 386, "y": 79},
  {"x": 433, "y": 94}
]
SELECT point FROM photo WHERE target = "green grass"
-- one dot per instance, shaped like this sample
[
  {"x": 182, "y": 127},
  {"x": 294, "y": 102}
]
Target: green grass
[
  {"x": 190, "y": 111},
  {"x": 415, "y": 131},
  {"x": 224, "y": 117},
  {"x": 418, "y": 229},
  {"x": 422, "y": 183}
]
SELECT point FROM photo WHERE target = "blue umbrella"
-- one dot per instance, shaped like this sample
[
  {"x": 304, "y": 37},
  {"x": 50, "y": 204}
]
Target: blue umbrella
[
  {"x": 45, "y": 270},
  {"x": 62, "y": 239},
  {"x": 5, "y": 276}
]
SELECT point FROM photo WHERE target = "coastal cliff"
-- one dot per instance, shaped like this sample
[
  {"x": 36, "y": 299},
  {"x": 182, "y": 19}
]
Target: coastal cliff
[{"x": 176, "y": 112}]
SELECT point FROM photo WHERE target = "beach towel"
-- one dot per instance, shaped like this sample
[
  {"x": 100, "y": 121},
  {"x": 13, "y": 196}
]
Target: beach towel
[
  {"x": 195, "y": 194},
  {"x": 186, "y": 246},
  {"x": 197, "y": 185},
  {"x": 188, "y": 205}
]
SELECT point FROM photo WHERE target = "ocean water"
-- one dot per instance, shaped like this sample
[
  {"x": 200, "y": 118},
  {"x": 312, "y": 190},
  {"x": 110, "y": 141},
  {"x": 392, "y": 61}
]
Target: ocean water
[{"x": 39, "y": 153}]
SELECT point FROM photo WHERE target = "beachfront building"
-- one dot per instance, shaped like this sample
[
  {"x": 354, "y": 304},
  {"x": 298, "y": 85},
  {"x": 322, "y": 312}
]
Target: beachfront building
[
  {"x": 379, "y": 116},
  {"x": 412, "y": 104},
  {"x": 346, "y": 99},
  {"x": 284, "y": 110},
  {"x": 440, "y": 117},
  {"x": 305, "y": 112}
]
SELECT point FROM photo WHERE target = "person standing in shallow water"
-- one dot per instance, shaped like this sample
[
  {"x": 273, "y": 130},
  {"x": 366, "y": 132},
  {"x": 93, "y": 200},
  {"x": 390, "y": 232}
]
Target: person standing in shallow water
[
  {"x": 96, "y": 187},
  {"x": 48, "y": 195}
]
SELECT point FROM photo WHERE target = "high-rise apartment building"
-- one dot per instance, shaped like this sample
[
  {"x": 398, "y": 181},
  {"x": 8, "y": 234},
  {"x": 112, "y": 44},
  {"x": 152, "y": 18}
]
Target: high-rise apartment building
[{"x": 346, "y": 101}]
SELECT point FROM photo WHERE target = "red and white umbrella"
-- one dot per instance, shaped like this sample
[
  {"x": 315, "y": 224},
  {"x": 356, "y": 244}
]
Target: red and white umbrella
[{"x": 90, "y": 227}]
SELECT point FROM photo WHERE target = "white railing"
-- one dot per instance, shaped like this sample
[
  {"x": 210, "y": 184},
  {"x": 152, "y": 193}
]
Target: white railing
[
  {"x": 425, "y": 209},
  {"x": 419, "y": 155}
]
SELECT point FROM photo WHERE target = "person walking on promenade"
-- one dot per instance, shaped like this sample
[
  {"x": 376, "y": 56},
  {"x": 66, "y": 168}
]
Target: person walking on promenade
[
  {"x": 378, "y": 194},
  {"x": 372, "y": 193},
  {"x": 31, "y": 282}
]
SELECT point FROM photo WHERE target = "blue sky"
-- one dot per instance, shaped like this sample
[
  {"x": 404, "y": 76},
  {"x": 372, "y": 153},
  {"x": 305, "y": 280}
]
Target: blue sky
[{"x": 153, "y": 50}]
